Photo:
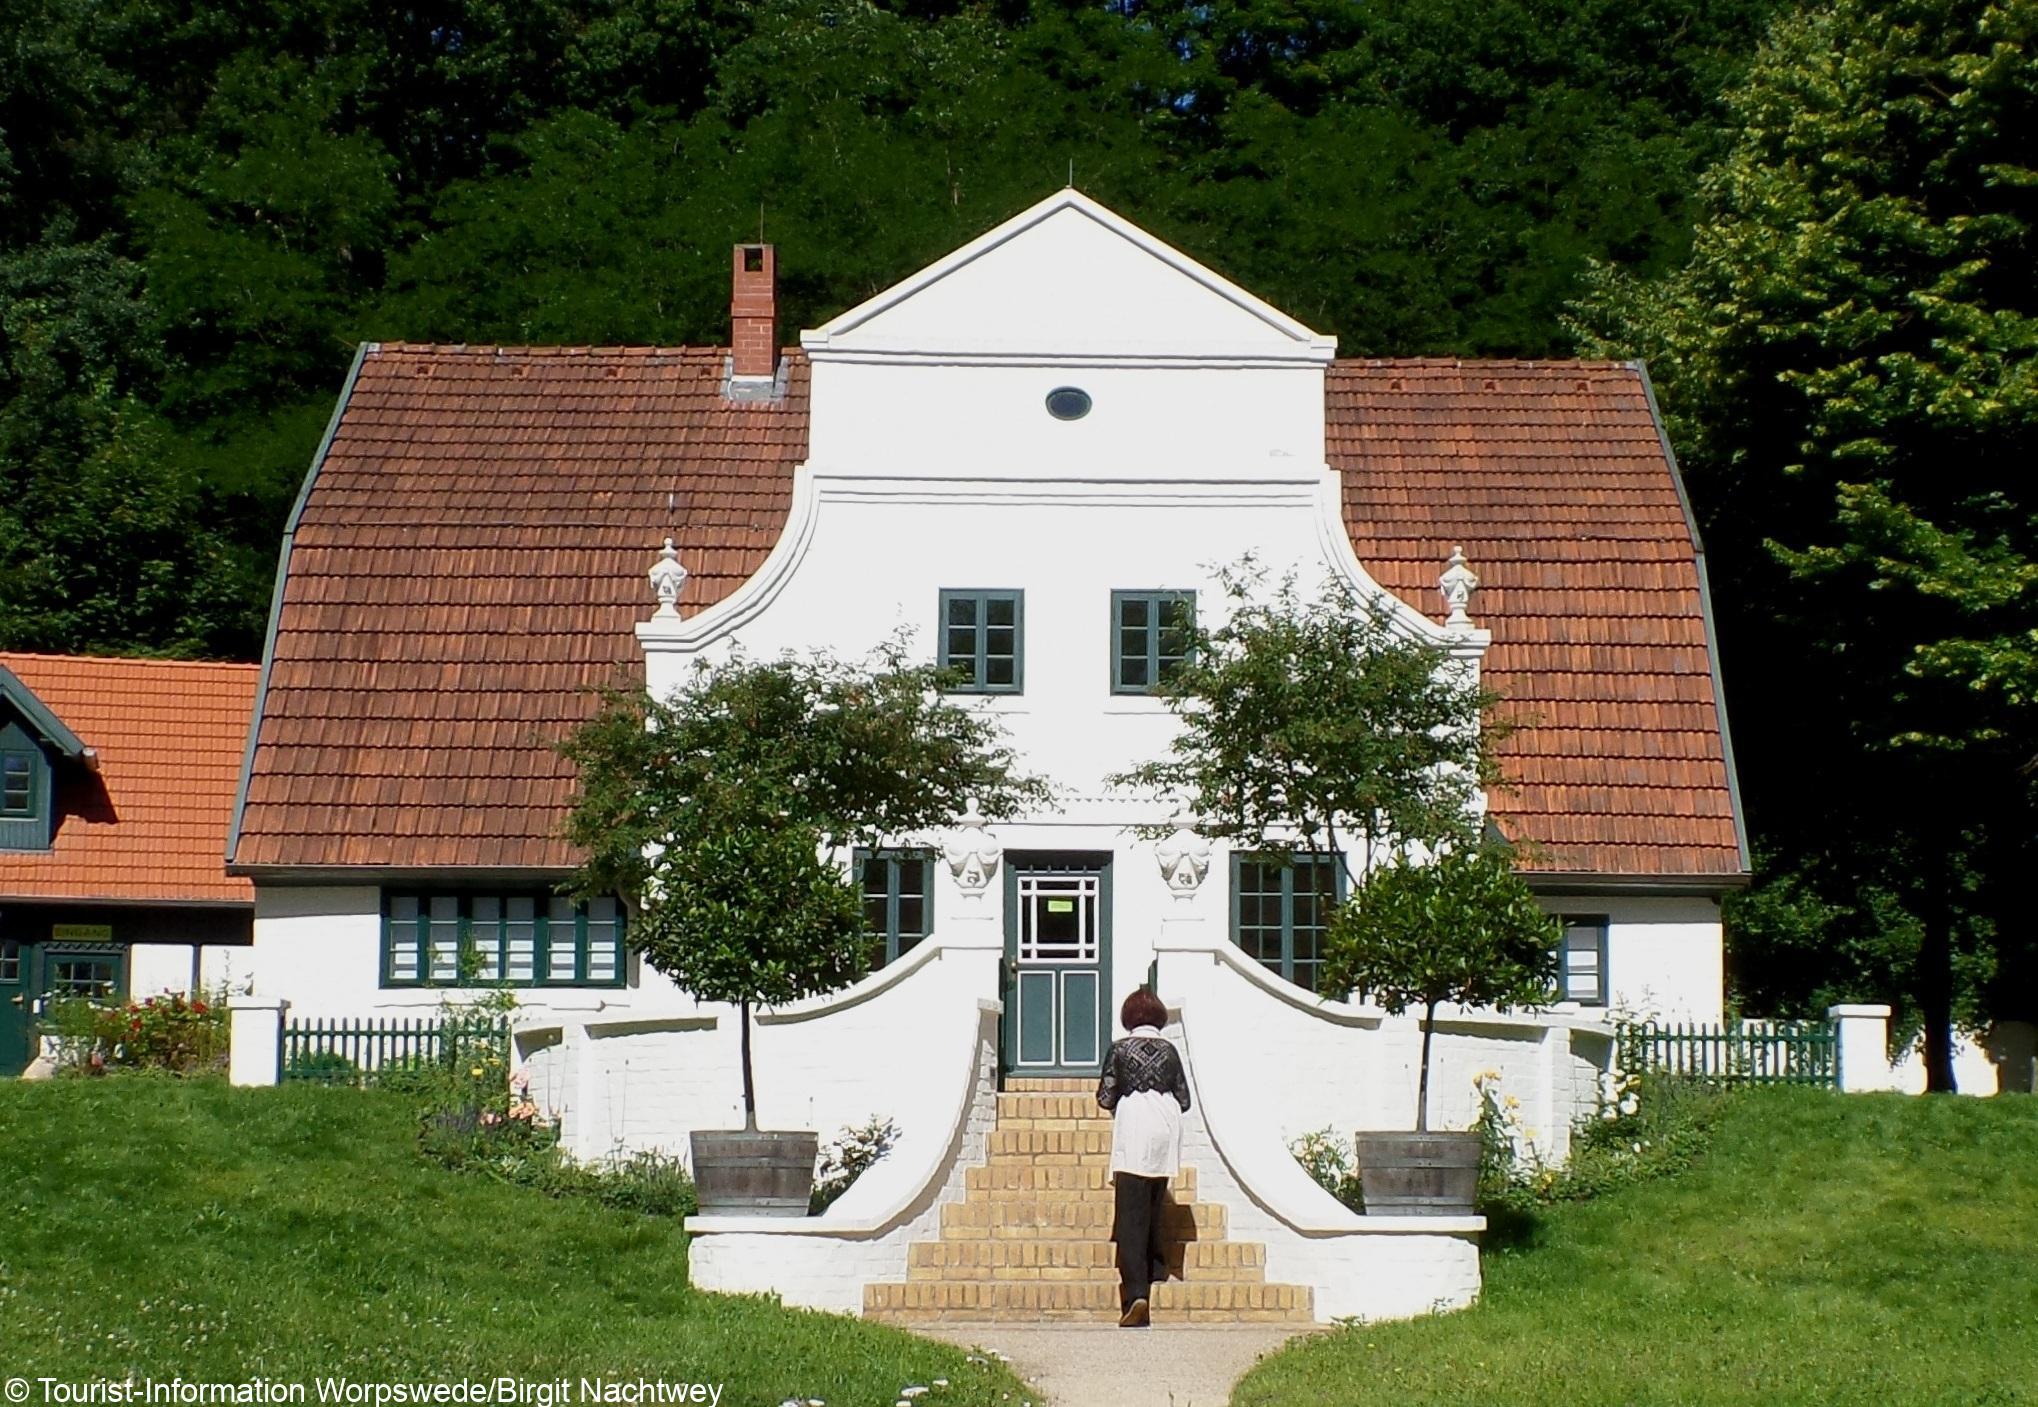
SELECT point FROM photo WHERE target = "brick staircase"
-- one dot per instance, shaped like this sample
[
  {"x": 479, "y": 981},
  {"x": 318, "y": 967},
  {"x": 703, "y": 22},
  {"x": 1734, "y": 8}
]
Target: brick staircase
[{"x": 1031, "y": 1239}]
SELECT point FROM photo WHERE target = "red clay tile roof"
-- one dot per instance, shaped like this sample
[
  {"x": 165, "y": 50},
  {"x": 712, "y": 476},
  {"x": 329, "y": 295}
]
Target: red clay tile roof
[
  {"x": 469, "y": 562},
  {"x": 1554, "y": 478},
  {"x": 150, "y": 824},
  {"x": 471, "y": 556}
]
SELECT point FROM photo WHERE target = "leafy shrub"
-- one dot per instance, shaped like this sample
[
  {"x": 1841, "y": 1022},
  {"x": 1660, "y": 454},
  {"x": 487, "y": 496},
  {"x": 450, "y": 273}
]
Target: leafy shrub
[
  {"x": 475, "y": 1115},
  {"x": 1335, "y": 1170},
  {"x": 184, "y": 1034},
  {"x": 322, "y": 1067},
  {"x": 1647, "y": 1126},
  {"x": 846, "y": 1159}
]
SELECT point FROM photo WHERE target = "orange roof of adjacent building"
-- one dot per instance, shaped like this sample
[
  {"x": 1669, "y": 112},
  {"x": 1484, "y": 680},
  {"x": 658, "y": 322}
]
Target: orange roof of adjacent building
[
  {"x": 150, "y": 822},
  {"x": 469, "y": 560}
]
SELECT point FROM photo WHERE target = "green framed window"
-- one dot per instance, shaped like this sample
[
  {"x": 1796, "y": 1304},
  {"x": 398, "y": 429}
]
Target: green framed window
[
  {"x": 1151, "y": 635},
  {"x": 71, "y": 972},
  {"x": 1280, "y": 906},
  {"x": 516, "y": 940},
  {"x": 983, "y": 637},
  {"x": 10, "y": 962},
  {"x": 898, "y": 901},
  {"x": 17, "y": 784},
  {"x": 1581, "y": 972}
]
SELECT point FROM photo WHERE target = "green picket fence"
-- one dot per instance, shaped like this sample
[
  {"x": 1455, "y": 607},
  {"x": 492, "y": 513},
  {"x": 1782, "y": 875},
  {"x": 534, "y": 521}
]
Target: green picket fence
[
  {"x": 341, "y": 1051},
  {"x": 1741, "y": 1052}
]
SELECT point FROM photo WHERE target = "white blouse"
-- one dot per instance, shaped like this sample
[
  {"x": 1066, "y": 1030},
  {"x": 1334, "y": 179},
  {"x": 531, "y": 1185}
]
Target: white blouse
[{"x": 1146, "y": 1130}]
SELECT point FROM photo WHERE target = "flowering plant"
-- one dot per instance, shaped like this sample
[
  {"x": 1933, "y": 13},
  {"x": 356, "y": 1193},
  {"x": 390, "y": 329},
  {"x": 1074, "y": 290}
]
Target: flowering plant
[{"x": 183, "y": 1033}]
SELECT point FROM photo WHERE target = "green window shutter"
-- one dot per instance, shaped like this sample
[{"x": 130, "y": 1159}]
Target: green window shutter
[
  {"x": 562, "y": 943},
  {"x": 983, "y": 637},
  {"x": 17, "y": 784},
  {"x": 1151, "y": 636},
  {"x": 518, "y": 940},
  {"x": 603, "y": 919},
  {"x": 1581, "y": 973},
  {"x": 898, "y": 901},
  {"x": 402, "y": 941},
  {"x": 1279, "y": 911}
]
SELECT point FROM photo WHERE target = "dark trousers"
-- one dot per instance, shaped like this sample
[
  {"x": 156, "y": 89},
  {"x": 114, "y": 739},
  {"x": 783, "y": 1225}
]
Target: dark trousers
[{"x": 1136, "y": 1227}]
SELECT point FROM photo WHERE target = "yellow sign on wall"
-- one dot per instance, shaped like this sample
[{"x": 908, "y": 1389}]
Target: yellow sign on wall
[{"x": 81, "y": 933}]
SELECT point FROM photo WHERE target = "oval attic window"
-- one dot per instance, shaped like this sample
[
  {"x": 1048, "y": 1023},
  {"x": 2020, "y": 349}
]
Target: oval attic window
[{"x": 1068, "y": 403}]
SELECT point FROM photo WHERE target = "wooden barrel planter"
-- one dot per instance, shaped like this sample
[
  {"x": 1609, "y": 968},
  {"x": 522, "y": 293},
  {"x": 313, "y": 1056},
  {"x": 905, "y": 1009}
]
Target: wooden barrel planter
[
  {"x": 1419, "y": 1174},
  {"x": 744, "y": 1172}
]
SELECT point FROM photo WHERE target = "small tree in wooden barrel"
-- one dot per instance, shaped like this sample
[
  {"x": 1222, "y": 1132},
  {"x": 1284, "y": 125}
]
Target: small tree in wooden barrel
[
  {"x": 1461, "y": 928},
  {"x": 1323, "y": 724},
  {"x": 721, "y": 812}
]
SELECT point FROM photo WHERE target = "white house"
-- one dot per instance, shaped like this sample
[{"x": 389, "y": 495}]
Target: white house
[{"x": 1036, "y": 454}]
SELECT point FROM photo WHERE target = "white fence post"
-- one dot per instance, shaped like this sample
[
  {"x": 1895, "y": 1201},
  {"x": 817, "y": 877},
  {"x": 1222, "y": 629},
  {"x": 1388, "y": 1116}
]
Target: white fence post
[
  {"x": 255, "y": 1039},
  {"x": 1861, "y": 1045}
]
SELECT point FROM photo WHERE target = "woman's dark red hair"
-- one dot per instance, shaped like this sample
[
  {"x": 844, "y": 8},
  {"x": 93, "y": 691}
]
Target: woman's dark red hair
[{"x": 1142, "y": 1008}]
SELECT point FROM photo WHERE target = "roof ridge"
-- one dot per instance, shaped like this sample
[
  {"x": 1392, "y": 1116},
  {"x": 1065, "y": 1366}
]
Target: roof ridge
[
  {"x": 1489, "y": 363},
  {"x": 501, "y": 349},
  {"x": 125, "y": 659}
]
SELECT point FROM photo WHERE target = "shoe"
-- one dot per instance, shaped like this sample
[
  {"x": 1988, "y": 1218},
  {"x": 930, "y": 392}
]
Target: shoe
[{"x": 1135, "y": 1316}]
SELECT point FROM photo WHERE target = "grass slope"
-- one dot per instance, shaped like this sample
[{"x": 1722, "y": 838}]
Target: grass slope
[
  {"x": 162, "y": 1227},
  {"x": 1827, "y": 1249}
]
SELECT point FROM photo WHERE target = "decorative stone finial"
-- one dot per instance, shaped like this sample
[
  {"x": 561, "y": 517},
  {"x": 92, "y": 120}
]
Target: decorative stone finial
[
  {"x": 972, "y": 853},
  {"x": 1457, "y": 585},
  {"x": 1184, "y": 857},
  {"x": 667, "y": 577}
]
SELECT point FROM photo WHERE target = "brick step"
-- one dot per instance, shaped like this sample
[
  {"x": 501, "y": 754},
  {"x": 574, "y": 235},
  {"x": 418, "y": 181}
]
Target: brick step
[
  {"x": 1063, "y": 1214},
  {"x": 1195, "y": 1260},
  {"x": 1051, "y": 1143},
  {"x": 1080, "y": 1109},
  {"x": 1085, "y": 1274},
  {"x": 1179, "y": 1301},
  {"x": 1014, "y": 1124},
  {"x": 1060, "y": 1177},
  {"x": 1054, "y": 1084}
]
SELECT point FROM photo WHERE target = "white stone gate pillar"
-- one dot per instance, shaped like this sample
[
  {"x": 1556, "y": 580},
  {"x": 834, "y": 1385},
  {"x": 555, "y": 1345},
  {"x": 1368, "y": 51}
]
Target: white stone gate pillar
[
  {"x": 1861, "y": 1045},
  {"x": 255, "y": 1039}
]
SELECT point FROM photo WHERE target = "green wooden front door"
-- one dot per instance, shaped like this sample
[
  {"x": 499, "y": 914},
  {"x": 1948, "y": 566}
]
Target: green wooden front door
[
  {"x": 15, "y": 1001},
  {"x": 1058, "y": 963},
  {"x": 33, "y": 973}
]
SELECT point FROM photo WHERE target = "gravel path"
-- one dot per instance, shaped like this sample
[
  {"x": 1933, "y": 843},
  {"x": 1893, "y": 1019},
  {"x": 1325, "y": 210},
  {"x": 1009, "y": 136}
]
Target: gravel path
[{"x": 1101, "y": 1365}]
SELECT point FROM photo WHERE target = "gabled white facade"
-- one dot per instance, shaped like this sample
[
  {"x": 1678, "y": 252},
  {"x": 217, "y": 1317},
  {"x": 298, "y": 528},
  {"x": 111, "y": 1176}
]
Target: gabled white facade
[{"x": 935, "y": 465}]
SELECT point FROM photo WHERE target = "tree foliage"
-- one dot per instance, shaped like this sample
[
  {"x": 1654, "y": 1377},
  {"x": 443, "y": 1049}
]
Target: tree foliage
[
  {"x": 1322, "y": 715},
  {"x": 1847, "y": 357},
  {"x": 720, "y": 812},
  {"x": 288, "y": 178},
  {"x": 1462, "y": 927}
]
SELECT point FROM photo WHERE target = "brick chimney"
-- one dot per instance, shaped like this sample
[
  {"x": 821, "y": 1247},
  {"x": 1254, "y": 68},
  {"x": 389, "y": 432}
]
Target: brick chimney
[{"x": 753, "y": 314}]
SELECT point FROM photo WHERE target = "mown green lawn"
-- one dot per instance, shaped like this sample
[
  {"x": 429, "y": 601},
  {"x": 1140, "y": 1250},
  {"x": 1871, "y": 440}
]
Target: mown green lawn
[
  {"x": 159, "y": 1228},
  {"x": 1857, "y": 1250}
]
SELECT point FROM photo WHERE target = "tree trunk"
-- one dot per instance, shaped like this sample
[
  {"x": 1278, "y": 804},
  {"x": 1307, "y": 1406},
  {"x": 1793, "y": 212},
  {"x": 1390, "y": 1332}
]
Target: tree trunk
[
  {"x": 1429, "y": 1022},
  {"x": 1935, "y": 970},
  {"x": 749, "y": 1081}
]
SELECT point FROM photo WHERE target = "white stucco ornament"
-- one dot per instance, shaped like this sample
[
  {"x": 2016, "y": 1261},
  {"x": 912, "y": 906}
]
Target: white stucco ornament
[
  {"x": 1184, "y": 857},
  {"x": 667, "y": 577},
  {"x": 972, "y": 853},
  {"x": 1457, "y": 585}
]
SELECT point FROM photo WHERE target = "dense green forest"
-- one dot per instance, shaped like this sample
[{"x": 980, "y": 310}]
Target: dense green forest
[{"x": 1816, "y": 224}]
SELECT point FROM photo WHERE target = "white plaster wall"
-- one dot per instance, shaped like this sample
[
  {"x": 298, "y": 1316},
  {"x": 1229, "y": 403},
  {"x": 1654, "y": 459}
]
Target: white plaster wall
[
  {"x": 1665, "y": 955},
  {"x": 1974, "y": 1070},
  {"x": 156, "y": 968},
  {"x": 824, "y": 1262},
  {"x": 1155, "y": 424}
]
